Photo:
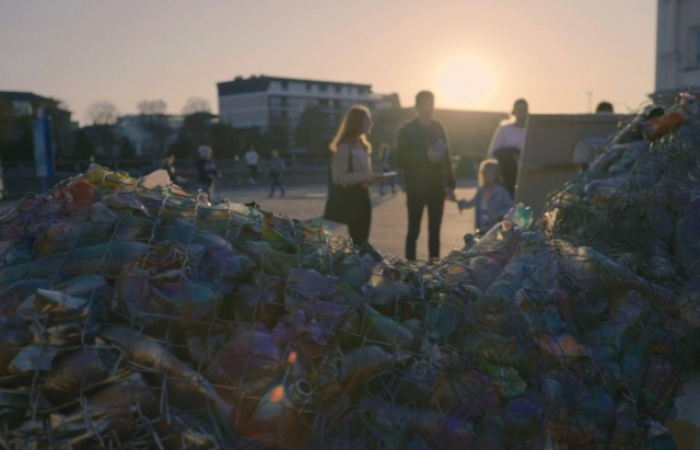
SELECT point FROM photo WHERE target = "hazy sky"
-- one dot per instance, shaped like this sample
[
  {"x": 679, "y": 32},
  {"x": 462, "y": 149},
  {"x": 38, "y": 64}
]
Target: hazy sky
[{"x": 475, "y": 54}]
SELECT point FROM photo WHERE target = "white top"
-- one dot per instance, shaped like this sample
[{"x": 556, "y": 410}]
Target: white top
[
  {"x": 361, "y": 164},
  {"x": 507, "y": 136},
  {"x": 251, "y": 157}
]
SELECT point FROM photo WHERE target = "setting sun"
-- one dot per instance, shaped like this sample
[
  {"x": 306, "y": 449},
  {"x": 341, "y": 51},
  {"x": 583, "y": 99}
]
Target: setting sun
[{"x": 465, "y": 82}]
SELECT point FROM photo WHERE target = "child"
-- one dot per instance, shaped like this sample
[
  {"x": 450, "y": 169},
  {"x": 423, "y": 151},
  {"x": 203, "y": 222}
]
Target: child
[
  {"x": 276, "y": 168},
  {"x": 491, "y": 201}
]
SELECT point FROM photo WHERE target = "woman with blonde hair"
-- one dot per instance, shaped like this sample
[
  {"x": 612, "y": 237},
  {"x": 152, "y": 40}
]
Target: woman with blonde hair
[
  {"x": 492, "y": 201},
  {"x": 351, "y": 173}
]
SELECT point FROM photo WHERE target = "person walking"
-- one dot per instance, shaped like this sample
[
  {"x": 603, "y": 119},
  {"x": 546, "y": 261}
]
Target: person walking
[
  {"x": 423, "y": 155},
  {"x": 236, "y": 168},
  {"x": 507, "y": 145},
  {"x": 385, "y": 155},
  {"x": 251, "y": 159},
  {"x": 275, "y": 170},
  {"x": 207, "y": 172},
  {"x": 351, "y": 169}
]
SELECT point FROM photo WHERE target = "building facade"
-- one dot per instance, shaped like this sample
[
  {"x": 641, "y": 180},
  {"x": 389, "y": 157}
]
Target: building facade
[
  {"x": 132, "y": 127},
  {"x": 275, "y": 105},
  {"x": 26, "y": 103},
  {"x": 677, "y": 49}
]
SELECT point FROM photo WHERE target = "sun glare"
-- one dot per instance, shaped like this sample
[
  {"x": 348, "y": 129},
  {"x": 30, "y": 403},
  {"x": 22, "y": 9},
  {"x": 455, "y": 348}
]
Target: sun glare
[{"x": 466, "y": 81}]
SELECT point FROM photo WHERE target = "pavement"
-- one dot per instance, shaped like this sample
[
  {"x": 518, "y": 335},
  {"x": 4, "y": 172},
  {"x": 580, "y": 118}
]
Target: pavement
[{"x": 389, "y": 216}]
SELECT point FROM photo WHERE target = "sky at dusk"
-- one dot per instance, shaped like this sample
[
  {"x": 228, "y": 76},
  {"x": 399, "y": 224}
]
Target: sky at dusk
[{"x": 474, "y": 54}]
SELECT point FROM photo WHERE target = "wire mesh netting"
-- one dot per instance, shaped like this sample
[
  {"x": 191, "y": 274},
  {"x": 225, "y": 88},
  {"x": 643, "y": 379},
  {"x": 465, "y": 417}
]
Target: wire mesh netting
[{"x": 134, "y": 315}]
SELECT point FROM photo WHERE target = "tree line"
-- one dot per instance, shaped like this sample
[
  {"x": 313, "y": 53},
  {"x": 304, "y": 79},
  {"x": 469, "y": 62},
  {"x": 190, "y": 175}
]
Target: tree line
[{"x": 100, "y": 136}]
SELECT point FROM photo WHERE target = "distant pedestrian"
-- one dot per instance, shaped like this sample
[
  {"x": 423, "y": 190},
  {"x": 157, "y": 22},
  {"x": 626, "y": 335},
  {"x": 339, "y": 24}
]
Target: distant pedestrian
[
  {"x": 207, "y": 172},
  {"x": 491, "y": 201},
  {"x": 386, "y": 156},
  {"x": 423, "y": 154},
  {"x": 605, "y": 108},
  {"x": 236, "y": 166},
  {"x": 251, "y": 158},
  {"x": 276, "y": 170},
  {"x": 507, "y": 145}
]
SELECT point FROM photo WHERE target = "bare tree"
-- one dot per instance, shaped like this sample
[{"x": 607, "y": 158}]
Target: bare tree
[
  {"x": 102, "y": 113},
  {"x": 152, "y": 118},
  {"x": 196, "y": 105},
  {"x": 152, "y": 107}
]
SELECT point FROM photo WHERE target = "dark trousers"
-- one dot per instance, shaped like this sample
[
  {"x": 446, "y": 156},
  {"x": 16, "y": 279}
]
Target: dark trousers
[
  {"x": 253, "y": 169},
  {"x": 416, "y": 202},
  {"x": 210, "y": 189},
  {"x": 361, "y": 218},
  {"x": 275, "y": 184},
  {"x": 509, "y": 172}
]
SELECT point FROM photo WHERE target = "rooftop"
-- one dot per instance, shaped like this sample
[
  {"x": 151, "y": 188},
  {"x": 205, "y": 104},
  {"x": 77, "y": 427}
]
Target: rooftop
[
  {"x": 261, "y": 83},
  {"x": 20, "y": 96}
]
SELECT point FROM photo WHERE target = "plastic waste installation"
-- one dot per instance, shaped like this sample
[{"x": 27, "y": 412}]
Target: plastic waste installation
[{"x": 134, "y": 315}]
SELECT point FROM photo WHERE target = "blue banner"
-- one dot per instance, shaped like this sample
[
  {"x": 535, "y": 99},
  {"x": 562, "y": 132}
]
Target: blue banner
[{"x": 43, "y": 154}]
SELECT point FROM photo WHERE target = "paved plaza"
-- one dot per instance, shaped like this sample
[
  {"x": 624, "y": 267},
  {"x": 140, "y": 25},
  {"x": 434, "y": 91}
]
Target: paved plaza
[{"x": 389, "y": 217}]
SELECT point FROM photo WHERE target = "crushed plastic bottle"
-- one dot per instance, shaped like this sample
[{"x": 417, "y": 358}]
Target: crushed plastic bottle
[{"x": 520, "y": 215}]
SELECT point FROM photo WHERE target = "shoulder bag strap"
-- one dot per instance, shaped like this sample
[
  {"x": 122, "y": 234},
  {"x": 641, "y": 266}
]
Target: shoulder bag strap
[{"x": 351, "y": 167}]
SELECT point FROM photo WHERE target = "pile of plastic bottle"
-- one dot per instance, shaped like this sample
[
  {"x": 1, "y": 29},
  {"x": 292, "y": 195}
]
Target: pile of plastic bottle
[{"x": 134, "y": 315}]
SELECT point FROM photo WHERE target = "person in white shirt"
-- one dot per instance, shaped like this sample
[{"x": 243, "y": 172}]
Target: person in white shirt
[
  {"x": 251, "y": 159},
  {"x": 507, "y": 144}
]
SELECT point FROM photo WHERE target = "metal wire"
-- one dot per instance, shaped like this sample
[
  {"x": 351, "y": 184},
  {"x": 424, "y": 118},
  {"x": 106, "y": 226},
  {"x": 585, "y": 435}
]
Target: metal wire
[{"x": 225, "y": 326}]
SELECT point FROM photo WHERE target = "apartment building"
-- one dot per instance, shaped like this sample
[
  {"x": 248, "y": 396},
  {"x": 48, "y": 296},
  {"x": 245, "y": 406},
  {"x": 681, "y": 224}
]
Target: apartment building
[
  {"x": 677, "y": 49},
  {"x": 275, "y": 104}
]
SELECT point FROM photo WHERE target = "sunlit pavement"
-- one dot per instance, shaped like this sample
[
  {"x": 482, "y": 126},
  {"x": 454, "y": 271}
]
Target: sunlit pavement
[{"x": 389, "y": 216}]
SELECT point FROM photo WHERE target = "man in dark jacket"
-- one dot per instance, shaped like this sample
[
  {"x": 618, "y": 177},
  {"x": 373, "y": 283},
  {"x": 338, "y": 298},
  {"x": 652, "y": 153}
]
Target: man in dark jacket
[{"x": 424, "y": 157}]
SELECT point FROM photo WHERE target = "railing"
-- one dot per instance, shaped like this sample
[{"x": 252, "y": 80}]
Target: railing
[{"x": 188, "y": 165}]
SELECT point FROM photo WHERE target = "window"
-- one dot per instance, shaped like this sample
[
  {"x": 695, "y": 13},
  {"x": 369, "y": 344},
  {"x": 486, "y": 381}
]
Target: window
[
  {"x": 275, "y": 101},
  {"x": 283, "y": 101},
  {"x": 696, "y": 59},
  {"x": 322, "y": 88},
  {"x": 285, "y": 85},
  {"x": 323, "y": 103},
  {"x": 338, "y": 89},
  {"x": 308, "y": 87}
]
